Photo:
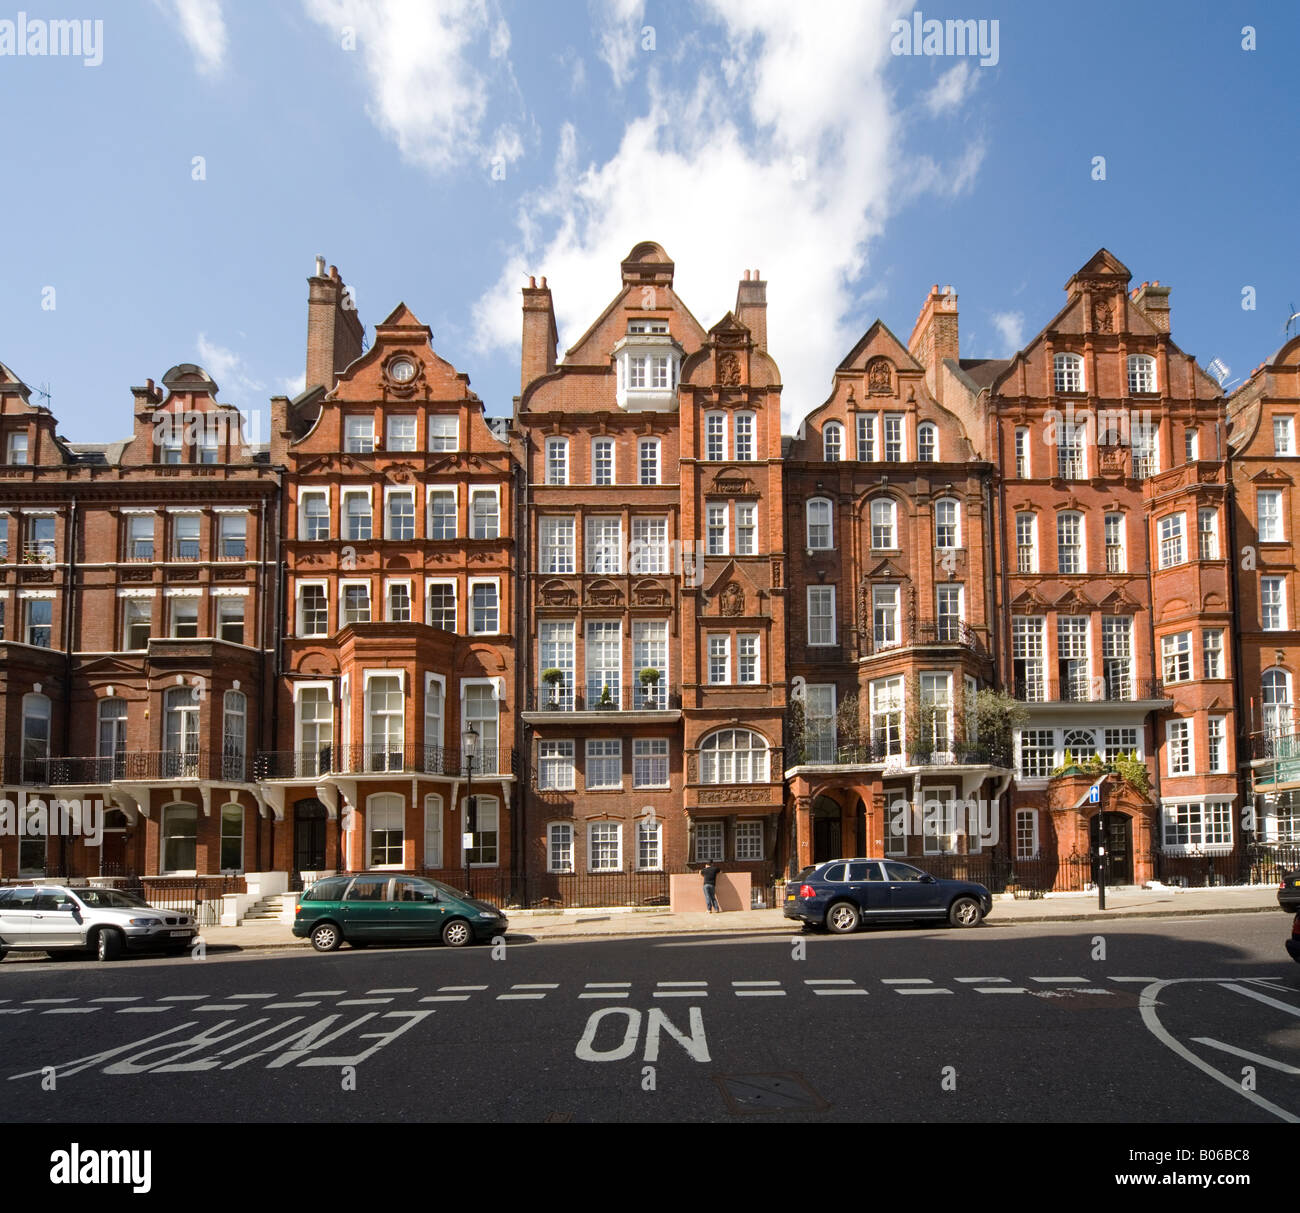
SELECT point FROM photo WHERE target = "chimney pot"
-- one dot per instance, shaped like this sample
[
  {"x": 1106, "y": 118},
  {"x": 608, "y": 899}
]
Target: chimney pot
[
  {"x": 543, "y": 282},
  {"x": 532, "y": 281},
  {"x": 320, "y": 267},
  {"x": 148, "y": 383},
  {"x": 334, "y": 272}
]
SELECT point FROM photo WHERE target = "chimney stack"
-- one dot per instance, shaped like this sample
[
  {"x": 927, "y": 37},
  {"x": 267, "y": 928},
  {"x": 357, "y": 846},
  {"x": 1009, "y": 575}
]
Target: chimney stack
[
  {"x": 751, "y": 306},
  {"x": 935, "y": 336},
  {"x": 334, "y": 330},
  {"x": 540, "y": 334},
  {"x": 1152, "y": 300}
]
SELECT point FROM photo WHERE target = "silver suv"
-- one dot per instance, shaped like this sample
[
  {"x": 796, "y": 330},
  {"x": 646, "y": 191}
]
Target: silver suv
[{"x": 54, "y": 918}]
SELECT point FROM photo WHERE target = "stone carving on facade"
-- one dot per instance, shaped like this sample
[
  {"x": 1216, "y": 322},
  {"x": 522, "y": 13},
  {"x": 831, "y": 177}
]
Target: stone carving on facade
[
  {"x": 1103, "y": 320},
  {"x": 692, "y": 766},
  {"x": 557, "y": 594},
  {"x": 400, "y": 473},
  {"x": 864, "y": 608},
  {"x": 731, "y": 601},
  {"x": 880, "y": 377},
  {"x": 729, "y": 370},
  {"x": 651, "y": 593},
  {"x": 732, "y": 795},
  {"x": 230, "y": 574},
  {"x": 776, "y": 574},
  {"x": 604, "y": 595}
]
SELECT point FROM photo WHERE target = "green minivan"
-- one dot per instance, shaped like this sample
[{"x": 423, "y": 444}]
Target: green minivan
[{"x": 378, "y": 907}]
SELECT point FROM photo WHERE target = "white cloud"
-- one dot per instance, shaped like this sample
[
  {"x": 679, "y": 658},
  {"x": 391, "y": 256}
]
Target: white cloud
[
  {"x": 1011, "y": 329},
  {"x": 229, "y": 371},
  {"x": 790, "y": 168},
  {"x": 427, "y": 93},
  {"x": 620, "y": 36},
  {"x": 293, "y": 385},
  {"x": 953, "y": 88},
  {"x": 204, "y": 29}
]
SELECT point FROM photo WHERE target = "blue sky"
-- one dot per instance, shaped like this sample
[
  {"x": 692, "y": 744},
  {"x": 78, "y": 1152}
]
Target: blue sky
[{"x": 439, "y": 152}]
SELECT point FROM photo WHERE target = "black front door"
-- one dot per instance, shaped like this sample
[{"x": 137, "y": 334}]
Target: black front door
[
  {"x": 827, "y": 835},
  {"x": 309, "y": 836},
  {"x": 1117, "y": 835}
]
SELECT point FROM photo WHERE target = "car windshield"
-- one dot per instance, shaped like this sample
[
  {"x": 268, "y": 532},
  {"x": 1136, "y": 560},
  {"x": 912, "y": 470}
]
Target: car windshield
[{"x": 109, "y": 899}]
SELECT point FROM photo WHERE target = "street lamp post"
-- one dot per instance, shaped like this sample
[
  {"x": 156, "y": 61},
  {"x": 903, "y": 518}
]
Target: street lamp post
[{"x": 469, "y": 747}]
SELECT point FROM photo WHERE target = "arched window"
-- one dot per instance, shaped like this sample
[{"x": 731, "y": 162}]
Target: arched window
[
  {"x": 1082, "y": 744},
  {"x": 832, "y": 442},
  {"x": 1068, "y": 372},
  {"x": 36, "y": 738},
  {"x": 232, "y": 837},
  {"x": 181, "y": 733},
  {"x": 1141, "y": 373},
  {"x": 927, "y": 442},
  {"x": 821, "y": 534},
  {"x": 112, "y": 738},
  {"x": 234, "y": 735},
  {"x": 733, "y": 756},
  {"x": 947, "y": 523},
  {"x": 1277, "y": 702},
  {"x": 180, "y": 835},
  {"x": 385, "y": 830},
  {"x": 1069, "y": 542},
  {"x": 884, "y": 523}
]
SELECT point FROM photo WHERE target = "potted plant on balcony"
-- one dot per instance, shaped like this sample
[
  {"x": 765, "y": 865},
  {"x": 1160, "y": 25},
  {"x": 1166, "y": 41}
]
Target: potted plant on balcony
[
  {"x": 649, "y": 678},
  {"x": 555, "y": 680},
  {"x": 606, "y": 700}
]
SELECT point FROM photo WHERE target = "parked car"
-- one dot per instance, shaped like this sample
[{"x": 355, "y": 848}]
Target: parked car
[
  {"x": 70, "y": 918},
  {"x": 1293, "y": 944},
  {"x": 376, "y": 907},
  {"x": 1288, "y": 892},
  {"x": 841, "y": 894}
]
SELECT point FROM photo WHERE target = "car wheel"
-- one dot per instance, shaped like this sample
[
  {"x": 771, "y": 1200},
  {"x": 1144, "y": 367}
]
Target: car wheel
[
  {"x": 108, "y": 945},
  {"x": 326, "y": 937},
  {"x": 843, "y": 918},
  {"x": 965, "y": 912},
  {"x": 457, "y": 933}
]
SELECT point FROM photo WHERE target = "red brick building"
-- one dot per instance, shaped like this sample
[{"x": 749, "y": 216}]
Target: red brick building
[
  {"x": 655, "y": 587},
  {"x": 138, "y": 588},
  {"x": 400, "y": 612}
]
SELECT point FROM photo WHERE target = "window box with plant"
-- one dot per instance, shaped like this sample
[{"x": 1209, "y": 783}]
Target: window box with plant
[{"x": 555, "y": 680}]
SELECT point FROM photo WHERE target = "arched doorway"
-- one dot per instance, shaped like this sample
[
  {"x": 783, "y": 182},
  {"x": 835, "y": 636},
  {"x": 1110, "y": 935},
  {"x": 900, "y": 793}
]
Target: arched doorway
[
  {"x": 827, "y": 835},
  {"x": 1116, "y": 835},
  {"x": 309, "y": 817}
]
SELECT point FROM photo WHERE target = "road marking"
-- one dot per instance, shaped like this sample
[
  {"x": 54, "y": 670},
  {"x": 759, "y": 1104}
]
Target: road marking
[
  {"x": 223, "y": 1006},
  {"x": 127, "y": 998},
  {"x": 286, "y": 1006},
  {"x": 1000, "y": 990},
  {"x": 741, "y": 984},
  {"x": 840, "y": 990},
  {"x": 16, "y": 1011},
  {"x": 250, "y": 995},
  {"x": 760, "y": 993},
  {"x": 663, "y": 985},
  {"x": 924, "y": 990},
  {"x": 1248, "y": 1056},
  {"x": 1148, "y": 1003},
  {"x": 906, "y": 981},
  {"x": 72, "y": 1010},
  {"x": 40, "y": 1002},
  {"x": 828, "y": 981},
  {"x": 184, "y": 997},
  {"x": 143, "y": 1010},
  {"x": 321, "y": 993},
  {"x": 363, "y": 1002},
  {"x": 606, "y": 994},
  {"x": 536, "y": 986},
  {"x": 608, "y": 985},
  {"x": 508, "y": 997},
  {"x": 394, "y": 990},
  {"x": 457, "y": 989},
  {"x": 981, "y": 981},
  {"x": 1060, "y": 981},
  {"x": 1264, "y": 998},
  {"x": 446, "y": 998}
]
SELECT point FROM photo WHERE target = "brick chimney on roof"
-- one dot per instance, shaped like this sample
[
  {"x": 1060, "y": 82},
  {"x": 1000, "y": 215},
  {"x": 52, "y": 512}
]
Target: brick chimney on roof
[
  {"x": 935, "y": 336},
  {"x": 1152, "y": 300},
  {"x": 334, "y": 330},
  {"x": 540, "y": 334},
  {"x": 751, "y": 307}
]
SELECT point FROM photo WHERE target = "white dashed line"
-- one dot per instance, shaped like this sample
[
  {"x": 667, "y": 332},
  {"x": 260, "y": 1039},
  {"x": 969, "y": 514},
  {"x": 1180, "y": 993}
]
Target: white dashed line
[
  {"x": 828, "y": 981},
  {"x": 744, "y": 984},
  {"x": 980, "y": 981},
  {"x": 606, "y": 994},
  {"x": 458, "y": 989},
  {"x": 394, "y": 990},
  {"x": 16, "y": 1011},
  {"x": 923, "y": 990},
  {"x": 760, "y": 993},
  {"x": 184, "y": 997},
  {"x": 42, "y": 1002},
  {"x": 128, "y": 998},
  {"x": 143, "y": 1010},
  {"x": 536, "y": 986},
  {"x": 516, "y": 997},
  {"x": 72, "y": 1010},
  {"x": 250, "y": 995},
  {"x": 664, "y": 985},
  {"x": 906, "y": 981},
  {"x": 1264, "y": 998},
  {"x": 1060, "y": 981},
  {"x": 321, "y": 993},
  {"x": 1000, "y": 990},
  {"x": 363, "y": 1002},
  {"x": 287, "y": 1006},
  {"x": 1247, "y": 1056},
  {"x": 446, "y": 998},
  {"x": 840, "y": 990},
  {"x": 608, "y": 985},
  {"x": 695, "y": 993}
]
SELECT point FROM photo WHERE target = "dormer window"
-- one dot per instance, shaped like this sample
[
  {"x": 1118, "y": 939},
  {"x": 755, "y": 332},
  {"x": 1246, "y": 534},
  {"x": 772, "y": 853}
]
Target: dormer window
[
  {"x": 648, "y": 360},
  {"x": 17, "y": 453}
]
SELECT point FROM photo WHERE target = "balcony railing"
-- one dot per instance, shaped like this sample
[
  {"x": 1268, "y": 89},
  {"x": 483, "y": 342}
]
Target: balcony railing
[
  {"x": 1282, "y": 747},
  {"x": 602, "y": 697},
  {"x": 380, "y": 759},
  {"x": 878, "y": 751},
  {"x": 953, "y": 632},
  {"x": 1112, "y": 690},
  {"x": 130, "y": 767}
]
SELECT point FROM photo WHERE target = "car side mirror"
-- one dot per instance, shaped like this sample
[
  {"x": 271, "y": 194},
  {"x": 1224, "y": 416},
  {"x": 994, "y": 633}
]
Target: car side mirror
[
  {"x": 431, "y": 897},
  {"x": 928, "y": 880}
]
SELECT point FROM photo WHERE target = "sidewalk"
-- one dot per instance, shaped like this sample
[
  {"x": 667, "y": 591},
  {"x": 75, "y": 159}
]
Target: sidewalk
[{"x": 622, "y": 923}]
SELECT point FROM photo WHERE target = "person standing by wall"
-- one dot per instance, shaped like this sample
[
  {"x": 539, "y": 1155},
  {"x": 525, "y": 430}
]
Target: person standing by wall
[{"x": 710, "y": 875}]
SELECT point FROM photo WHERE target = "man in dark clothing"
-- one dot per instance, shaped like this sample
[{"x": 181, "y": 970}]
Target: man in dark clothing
[{"x": 710, "y": 875}]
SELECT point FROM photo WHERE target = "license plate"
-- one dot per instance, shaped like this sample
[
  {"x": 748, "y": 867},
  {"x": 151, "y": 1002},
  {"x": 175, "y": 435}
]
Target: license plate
[
  {"x": 179, "y": 933},
  {"x": 789, "y": 897}
]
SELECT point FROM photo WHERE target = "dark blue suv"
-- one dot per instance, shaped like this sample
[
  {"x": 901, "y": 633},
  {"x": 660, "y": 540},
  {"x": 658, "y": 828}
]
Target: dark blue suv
[{"x": 841, "y": 894}]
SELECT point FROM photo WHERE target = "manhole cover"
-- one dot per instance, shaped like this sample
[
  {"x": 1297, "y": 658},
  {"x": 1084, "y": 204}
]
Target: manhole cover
[{"x": 749, "y": 1093}]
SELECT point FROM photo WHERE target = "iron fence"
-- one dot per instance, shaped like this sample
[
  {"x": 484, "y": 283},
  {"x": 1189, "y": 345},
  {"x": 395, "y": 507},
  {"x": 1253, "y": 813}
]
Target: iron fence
[{"x": 603, "y": 697}]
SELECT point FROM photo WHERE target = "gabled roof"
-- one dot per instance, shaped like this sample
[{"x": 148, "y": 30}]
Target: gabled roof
[{"x": 902, "y": 357}]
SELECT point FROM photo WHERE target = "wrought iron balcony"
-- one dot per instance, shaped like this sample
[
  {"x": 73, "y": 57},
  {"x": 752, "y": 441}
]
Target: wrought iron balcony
[
  {"x": 878, "y": 751},
  {"x": 130, "y": 767},
  {"x": 602, "y": 697},
  {"x": 380, "y": 758},
  {"x": 1112, "y": 690},
  {"x": 943, "y": 632}
]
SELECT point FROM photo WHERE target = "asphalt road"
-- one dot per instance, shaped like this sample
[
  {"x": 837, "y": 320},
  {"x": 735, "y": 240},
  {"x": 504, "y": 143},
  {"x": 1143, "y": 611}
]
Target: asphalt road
[{"x": 1136, "y": 1021}]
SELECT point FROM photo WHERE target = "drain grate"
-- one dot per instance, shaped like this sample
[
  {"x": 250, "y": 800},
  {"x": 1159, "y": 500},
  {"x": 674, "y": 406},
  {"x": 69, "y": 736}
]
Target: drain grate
[{"x": 747, "y": 1094}]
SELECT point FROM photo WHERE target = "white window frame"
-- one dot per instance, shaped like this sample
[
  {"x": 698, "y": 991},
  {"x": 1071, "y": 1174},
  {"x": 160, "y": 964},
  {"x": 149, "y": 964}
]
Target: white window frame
[
  {"x": 613, "y": 831},
  {"x": 811, "y": 522},
  {"x": 432, "y": 491},
  {"x": 1266, "y": 608},
  {"x": 559, "y": 847},
  {"x": 927, "y": 428},
  {"x": 430, "y": 584},
  {"x": 474, "y": 583},
  {"x": 355, "y": 583},
  {"x": 433, "y": 831},
  {"x": 832, "y": 442},
  {"x": 1268, "y": 514},
  {"x": 1173, "y": 745},
  {"x": 556, "y": 456},
  {"x": 654, "y": 750},
  {"x": 831, "y": 615},
  {"x": 556, "y": 767},
  {"x": 615, "y": 755},
  {"x": 392, "y": 494},
  {"x": 305, "y": 496},
  {"x": 437, "y": 431}
]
